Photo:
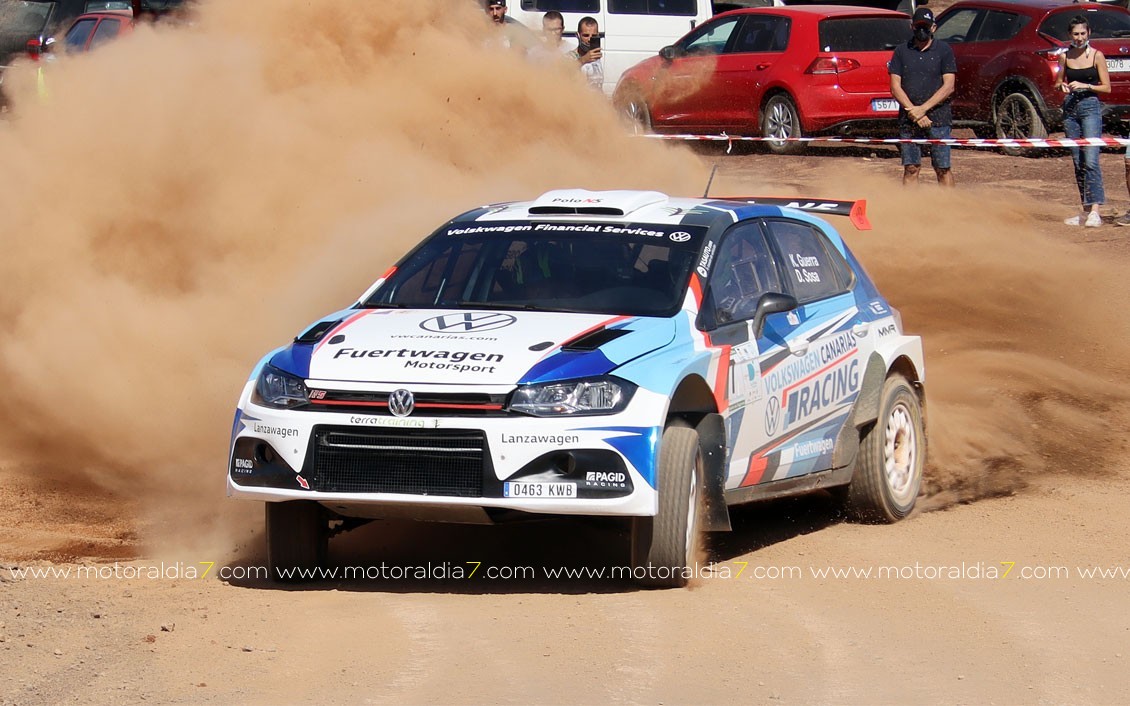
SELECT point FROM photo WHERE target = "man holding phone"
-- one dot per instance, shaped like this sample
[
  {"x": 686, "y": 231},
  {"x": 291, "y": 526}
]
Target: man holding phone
[{"x": 588, "y": 53}]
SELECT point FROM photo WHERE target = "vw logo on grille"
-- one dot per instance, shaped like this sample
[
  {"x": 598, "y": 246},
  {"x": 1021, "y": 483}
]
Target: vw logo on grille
[
  {"x": 467, "y": 323},
  {"x": 401, "y": 403},
  {"x": 680, "y": 236}
]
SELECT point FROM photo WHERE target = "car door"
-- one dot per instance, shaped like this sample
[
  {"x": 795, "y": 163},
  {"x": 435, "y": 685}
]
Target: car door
[
  {"x": 959, "y": 29},
  {"x": 812, "y": 358},
  {"x": 689, "y": 94},
  {"x": 746, "y": 68}
]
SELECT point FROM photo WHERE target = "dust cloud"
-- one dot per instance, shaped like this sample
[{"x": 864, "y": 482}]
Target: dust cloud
[
  {"x": 187, "y": 198},
  {"x": 1026, "y": 336}
]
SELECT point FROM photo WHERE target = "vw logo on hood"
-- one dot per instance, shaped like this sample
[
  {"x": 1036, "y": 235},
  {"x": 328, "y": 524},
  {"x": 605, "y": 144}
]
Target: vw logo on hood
[
  {"x": 401, "y": 403},
  {"x": 470, "y": 322}
]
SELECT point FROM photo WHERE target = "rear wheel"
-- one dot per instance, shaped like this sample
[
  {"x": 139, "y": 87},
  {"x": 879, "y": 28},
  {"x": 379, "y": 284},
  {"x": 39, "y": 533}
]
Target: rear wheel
[
  {"x": 892, "y": 455},
  {"x": 635, "y": 111},
  {"x": 1017, "y": 118},
  {"x": 780, "y": 119},
  {"x": 665, "y": 547},
  {"x": 297, "y": 539}
]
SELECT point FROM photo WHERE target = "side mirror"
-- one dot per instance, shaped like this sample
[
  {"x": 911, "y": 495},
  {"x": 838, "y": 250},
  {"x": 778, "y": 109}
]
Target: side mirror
[
  {"x": 668, "y": 53},
  {"x": 771, "y": 303}
]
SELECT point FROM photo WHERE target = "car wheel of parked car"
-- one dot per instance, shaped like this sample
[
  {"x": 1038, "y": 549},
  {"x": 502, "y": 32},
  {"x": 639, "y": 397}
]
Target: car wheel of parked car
[
  {"x": 634, "y": 109},
  {"x": 892, "y": 453},
  {"x": 297, "y": 539},
  {"x": 1017, "y": 118},
  {"x": 780, "y": 119},
  {"x": 665, "y": 547}
]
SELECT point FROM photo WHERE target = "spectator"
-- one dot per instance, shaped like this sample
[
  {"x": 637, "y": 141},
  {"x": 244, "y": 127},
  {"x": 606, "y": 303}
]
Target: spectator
[
  {"x": 552, "y": 31},
  {"x": 922, "y": 78},
  {"x": 1083, "y": 75},
  {"x": 512, "y": 34},
  {"x": 588, "y": 53}
]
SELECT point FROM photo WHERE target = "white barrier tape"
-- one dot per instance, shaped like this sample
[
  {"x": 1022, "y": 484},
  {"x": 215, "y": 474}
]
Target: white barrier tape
[{"x": 954, "y": 142}]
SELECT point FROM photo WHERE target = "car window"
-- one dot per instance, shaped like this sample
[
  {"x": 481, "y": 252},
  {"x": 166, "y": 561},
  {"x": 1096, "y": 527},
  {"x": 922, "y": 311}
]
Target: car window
[
  {"x": 102, "y": 5},
  {"x": 24, "y": 18},
  {"x": 957, "y": 26},
  {"x": 589, "y": 7},
  {"x": 863, "y": 33},
  {"x": 743, "y": 272},
  {"x": 712, "y": 38},
  {"x": 811, "y": 269},
  {"x": 998, "y": 26},
  {"x": 107, "y": 29},
  {"x": 762, "y": 33},
  {"x": 1105, "y": 24},
  {"x": 653, "y": 7},
  {"x": 79, "y": 33}
]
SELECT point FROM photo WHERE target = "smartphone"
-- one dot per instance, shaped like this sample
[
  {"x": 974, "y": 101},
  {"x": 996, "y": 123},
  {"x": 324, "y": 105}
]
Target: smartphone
[{"x": 595, "y": 42}]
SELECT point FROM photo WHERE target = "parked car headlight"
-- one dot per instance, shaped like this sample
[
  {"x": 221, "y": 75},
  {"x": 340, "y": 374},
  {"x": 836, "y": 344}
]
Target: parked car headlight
[
  {"x": 274, "y": 388},
  {"x": 598, "y": 396}
]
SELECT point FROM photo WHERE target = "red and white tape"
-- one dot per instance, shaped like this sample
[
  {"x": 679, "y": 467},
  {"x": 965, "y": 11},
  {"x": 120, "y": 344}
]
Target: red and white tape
[{"x": 955, "y": 142}]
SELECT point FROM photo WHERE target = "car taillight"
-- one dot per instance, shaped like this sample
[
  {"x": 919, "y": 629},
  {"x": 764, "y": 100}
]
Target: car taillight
[
  {"x": 33, "y": 49},
  {"x": 831, "y": 65}
]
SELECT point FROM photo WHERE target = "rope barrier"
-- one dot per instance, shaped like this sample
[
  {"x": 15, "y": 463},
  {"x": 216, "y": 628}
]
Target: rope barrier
[{"x": 990, "y": 143}]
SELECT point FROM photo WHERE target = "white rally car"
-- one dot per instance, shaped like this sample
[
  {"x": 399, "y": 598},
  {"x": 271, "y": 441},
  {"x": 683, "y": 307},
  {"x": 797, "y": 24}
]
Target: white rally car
[{"x": 617, "y": 353}]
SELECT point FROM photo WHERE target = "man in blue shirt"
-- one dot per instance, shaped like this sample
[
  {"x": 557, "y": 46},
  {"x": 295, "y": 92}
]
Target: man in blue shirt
[{"x": 922, "y": 77}]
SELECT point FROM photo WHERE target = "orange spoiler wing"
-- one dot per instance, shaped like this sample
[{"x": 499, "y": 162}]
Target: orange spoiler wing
[{"x": 856, "y": 211}]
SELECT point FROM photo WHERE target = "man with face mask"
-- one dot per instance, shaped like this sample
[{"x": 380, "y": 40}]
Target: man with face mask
[{"x": 922, "y": 78}]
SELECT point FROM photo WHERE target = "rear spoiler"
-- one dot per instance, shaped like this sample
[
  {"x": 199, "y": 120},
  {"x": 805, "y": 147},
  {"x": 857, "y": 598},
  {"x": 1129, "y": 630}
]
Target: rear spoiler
[{"x": 854, "y": 210}]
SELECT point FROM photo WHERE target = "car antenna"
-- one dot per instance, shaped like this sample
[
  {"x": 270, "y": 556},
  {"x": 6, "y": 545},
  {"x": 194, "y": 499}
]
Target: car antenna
[{"x": 713, "y": 170}]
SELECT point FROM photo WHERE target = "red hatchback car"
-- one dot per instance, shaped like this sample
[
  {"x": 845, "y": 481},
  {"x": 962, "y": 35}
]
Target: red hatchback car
[
  {"x": 1007, "y": 62},
  {"x": 773, "y": 71}
]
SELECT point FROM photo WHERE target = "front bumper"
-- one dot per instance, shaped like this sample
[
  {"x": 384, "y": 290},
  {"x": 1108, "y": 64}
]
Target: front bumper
[{"x": 443, "y": 468}]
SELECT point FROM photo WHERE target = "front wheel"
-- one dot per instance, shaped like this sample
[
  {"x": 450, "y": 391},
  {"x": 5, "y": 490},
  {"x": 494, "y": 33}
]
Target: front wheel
[
  {"x": 1018, "y": 119},
  {"x": 665, "y": 547},
  {"x": 297, "y": 540},
  {"x": 892, "y": 455},
  {"x": 780, "y": 119},
  {"x": 634, "y": 109}
]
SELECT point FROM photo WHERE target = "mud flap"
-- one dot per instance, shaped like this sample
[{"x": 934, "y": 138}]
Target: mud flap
[{"x": 712, "y": 441}]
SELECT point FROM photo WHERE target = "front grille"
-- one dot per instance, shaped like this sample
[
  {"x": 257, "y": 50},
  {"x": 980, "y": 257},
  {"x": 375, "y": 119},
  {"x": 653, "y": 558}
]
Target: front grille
[
  {"x": 414, "y": 461},
  {"x": 427, "y": 404}
]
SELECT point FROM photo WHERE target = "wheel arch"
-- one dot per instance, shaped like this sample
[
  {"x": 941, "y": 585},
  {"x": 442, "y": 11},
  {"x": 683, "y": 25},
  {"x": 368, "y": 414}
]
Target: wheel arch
[
  {"x": 870, "y": 391},
  {"x": 1020, "y": 84}
]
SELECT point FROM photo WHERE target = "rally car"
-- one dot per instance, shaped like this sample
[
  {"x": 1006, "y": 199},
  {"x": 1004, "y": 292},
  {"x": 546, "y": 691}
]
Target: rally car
[{"x": 615, "y": 353}]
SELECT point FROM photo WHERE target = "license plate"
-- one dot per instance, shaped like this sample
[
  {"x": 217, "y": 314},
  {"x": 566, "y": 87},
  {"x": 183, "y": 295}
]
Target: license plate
[
  {"x": 1120, "y": 65},
  {"x": 539, "y": 490},
  {"x": 885, "y": 105}
]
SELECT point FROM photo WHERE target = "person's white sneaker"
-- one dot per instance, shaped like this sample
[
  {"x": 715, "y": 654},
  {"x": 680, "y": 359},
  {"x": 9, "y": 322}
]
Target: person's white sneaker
[
  {"x": 1074, "y": 220},
  {"x": 1094, "y": 220}
]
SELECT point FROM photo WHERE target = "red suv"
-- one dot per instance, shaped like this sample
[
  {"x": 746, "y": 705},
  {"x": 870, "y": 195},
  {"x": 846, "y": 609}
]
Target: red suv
[
  {"x": 772, "y": 71},
  {"x": 1007, "y": 61}
]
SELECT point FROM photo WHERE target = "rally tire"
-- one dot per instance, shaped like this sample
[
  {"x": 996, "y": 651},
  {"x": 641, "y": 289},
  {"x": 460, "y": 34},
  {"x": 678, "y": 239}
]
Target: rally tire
[
  {"x": 780, "y": 118},
  {"x": 885, "y": 485},
  {"x": 665, "y": 547},
  {"x": 297, "y": 539},
  {"x": 637, "y": 114},
  {"x": 1018, "y": 118}
]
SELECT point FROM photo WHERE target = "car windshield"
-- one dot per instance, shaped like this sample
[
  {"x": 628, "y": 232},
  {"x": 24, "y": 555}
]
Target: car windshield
[
  {"x": 597, "y": 268},
  {"x": 863, "y": 33},
  {"x": 1106, "y": 23}
]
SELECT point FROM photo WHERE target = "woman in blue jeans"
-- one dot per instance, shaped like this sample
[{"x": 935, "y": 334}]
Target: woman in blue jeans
[{"x": 1083, "y": 76}]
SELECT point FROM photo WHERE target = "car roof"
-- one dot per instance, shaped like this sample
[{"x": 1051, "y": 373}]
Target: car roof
[
  {"x": 816, "y": 11},
  {"x": 1033, "y": 4}
]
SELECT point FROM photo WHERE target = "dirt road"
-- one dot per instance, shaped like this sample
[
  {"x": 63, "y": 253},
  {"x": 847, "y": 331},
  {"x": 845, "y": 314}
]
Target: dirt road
[{"x": 148, "y": 276}]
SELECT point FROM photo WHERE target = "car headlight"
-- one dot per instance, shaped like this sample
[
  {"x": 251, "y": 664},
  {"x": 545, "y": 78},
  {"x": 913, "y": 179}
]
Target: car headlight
[
  {"x": 580, "y": 397},
  {"x": 274, "y": 388}
]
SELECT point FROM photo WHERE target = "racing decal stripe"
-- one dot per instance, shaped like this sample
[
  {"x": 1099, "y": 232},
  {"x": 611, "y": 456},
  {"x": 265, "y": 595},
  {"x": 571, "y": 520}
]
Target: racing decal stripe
[
  {"x": 798, "y": 383},
  {"x": 721, "y": 378},
  {"x": 696, "y": 290},
  {"x": 596, "y": 327},
  {"x": 341, "y": 327},
  {"x": 419, "y": 405},
  {"x": 758, "y": 465}
]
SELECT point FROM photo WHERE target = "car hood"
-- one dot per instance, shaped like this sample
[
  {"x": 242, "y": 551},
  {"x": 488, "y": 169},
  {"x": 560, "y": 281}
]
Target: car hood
[{"x": 477, "y": 347}]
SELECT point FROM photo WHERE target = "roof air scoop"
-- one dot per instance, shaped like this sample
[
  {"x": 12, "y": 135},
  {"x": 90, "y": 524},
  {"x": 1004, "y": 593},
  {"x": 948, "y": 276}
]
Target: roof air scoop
[{"x": 593, "y": 203}]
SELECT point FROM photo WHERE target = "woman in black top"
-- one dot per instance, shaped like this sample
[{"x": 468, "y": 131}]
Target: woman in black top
[{"x": 1083, "y": 76}]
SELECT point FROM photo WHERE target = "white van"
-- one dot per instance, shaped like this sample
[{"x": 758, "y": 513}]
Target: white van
[{"x": 631, "y": 30}]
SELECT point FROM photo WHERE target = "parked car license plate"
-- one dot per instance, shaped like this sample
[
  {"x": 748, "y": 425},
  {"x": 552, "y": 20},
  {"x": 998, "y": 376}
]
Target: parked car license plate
[
  {"x": 885, "y": 105},
  {"x": 515, "y": 489},
  {"x": 1121, "y": 64}
]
